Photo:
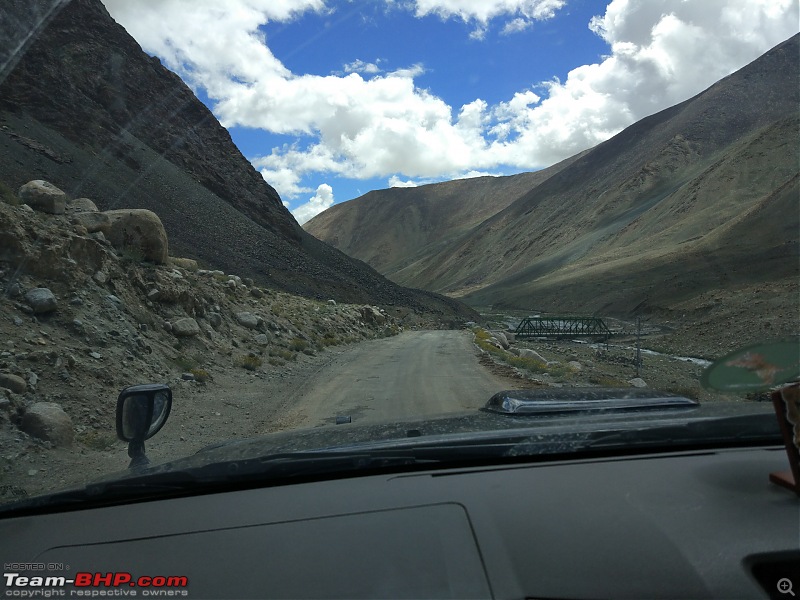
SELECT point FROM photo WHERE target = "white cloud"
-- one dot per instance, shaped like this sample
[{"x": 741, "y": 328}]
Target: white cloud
[
  {"x": 484, "y": 11},
  {"x": 359, "y": 66},
  {"x": 516, "y": 26},
  {"x": 321, "y": 201},
  {"x": 395, "y": 181},
  {"x": 660, "y": 53}
]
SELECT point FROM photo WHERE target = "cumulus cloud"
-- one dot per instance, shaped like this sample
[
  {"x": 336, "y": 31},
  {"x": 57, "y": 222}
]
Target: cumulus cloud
[
  {"x": 322, "y": 200},
  {"x": 523, "y": 13},
  {"x": 395, "y": 181},
  {"x": 368, "y": 122}
]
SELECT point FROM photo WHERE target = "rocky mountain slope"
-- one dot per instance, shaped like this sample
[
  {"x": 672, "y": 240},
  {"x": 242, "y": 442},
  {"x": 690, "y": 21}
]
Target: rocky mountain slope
[
  {"x": 696, "y": 202},
  {"x": 83, "y": 316},
  {"x": 391, "y": 229},
  {"x": 83, "y": 106}
]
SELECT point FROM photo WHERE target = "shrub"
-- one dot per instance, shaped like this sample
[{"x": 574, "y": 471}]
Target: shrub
[
  {"x": 250, "y": 362},
  {"x": 298, "y": 345},
  {"x": 200, "y": 375},
  {"x": 283, "y": 354},
  {"x": 330, "y": 340},
  {"x": 186, "y": 362},
  {"x": 97, "y": 440},
  {"x": 606, "y": 381}
]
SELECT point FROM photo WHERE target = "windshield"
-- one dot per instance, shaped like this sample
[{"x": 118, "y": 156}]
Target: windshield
[{"x": 353, "y": 223}]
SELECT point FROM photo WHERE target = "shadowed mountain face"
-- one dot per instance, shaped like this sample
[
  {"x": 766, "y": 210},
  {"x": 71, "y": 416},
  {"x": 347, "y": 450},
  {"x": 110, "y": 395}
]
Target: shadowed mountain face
[
  {"x": 82, "y": 106},
  {"x": 701, "y": 196},
  {"x": 391, "y": 229}
]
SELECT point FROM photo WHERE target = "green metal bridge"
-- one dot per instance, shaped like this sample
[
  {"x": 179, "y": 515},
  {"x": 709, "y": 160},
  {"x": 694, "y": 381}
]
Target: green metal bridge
[{"x": 563, "y": 327}]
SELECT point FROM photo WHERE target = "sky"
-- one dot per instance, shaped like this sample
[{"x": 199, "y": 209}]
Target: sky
[{"x": 330, "y": 99}]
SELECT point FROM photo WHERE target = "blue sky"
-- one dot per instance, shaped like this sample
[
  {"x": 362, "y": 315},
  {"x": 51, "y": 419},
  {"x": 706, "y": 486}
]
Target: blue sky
[{"x": 330, "y": 99}]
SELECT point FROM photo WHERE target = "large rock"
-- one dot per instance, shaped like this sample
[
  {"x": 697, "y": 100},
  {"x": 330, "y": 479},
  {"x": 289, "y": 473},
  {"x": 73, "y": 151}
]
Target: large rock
[
  {"x": 48, "y": 421},
  {"x": 527, "y": 353},
  {"x": 372, "y": 315},
  {"x": 81, "y": 205},
  {"x": 43, "y": 196},
  {"x": 41, "y": 300},
  {"x": 93, "y": 221},
  {"x": 186, "y": 327},
  {"x": 13, "y": 382},
  {"x": 247, "y": 319},
  {"x": 502, "y": 339},
  {"x": 139, "y": 232}
]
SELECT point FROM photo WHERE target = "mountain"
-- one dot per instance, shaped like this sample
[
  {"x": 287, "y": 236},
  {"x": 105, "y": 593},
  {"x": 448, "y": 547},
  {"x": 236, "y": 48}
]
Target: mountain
[
  {"x": 82, "y": 106},
  {"x": 698, "y": 197},
  {"x": 390, "y": 229}
]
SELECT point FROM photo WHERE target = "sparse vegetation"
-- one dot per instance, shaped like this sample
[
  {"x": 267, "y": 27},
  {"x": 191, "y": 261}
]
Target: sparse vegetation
[
  {"x": 187, "y": 363},
  {"x": 283, "y": 354},
  {"x": 298, "y": 344},
  {"x": 96, "y": 440},
  {"x": 251, "y": 361},
  {"x": 606, "y": 381},
  {"x": 200, "y": 375}
]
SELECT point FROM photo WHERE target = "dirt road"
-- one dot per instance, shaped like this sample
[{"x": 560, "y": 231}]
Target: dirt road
[
  {"x": 414, "y": 374},
  {"x": 418, "y": 373}
]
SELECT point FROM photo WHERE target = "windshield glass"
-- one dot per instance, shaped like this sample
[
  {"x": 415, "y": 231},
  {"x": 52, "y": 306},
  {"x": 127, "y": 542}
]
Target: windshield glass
[{"x": 353, "y": 223}]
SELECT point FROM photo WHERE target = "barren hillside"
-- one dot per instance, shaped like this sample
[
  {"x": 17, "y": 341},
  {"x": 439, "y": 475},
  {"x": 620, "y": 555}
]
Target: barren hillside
[{"x": 82, "y": 106}]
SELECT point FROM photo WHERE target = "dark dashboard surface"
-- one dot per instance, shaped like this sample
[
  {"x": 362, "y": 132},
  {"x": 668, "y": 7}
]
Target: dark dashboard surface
[{"x": 681, "y": 525}]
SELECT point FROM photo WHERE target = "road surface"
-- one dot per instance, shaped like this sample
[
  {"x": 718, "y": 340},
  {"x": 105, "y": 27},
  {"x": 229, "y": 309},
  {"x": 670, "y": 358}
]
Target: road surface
[{"x": 414, "y": 374}]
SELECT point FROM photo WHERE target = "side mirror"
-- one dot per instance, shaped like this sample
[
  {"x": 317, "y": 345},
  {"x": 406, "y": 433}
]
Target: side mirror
[{"x": 142, "y": 411}]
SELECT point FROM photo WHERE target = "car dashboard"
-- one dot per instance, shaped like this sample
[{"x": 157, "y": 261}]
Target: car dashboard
[{"x": 675, "y": 525}]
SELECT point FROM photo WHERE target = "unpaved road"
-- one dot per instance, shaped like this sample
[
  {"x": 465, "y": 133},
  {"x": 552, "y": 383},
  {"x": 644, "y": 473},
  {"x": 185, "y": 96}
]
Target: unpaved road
[{"x": 415, "y": 374}]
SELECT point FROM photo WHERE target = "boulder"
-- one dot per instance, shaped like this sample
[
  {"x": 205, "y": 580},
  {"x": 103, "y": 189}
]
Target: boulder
[
  {"x": 81, "y": 205},
  {"x": 140, "y": 232},
  {"x": 527, "y": 353},
  {"x": 41, "y": 300},
  {"x": 247, "y": 319},
  {"x": 93, "y": 222},
  {"x": 13, "y": 382},
  {"x": 48, "y": 421},
  {"x": 372, "y": 315},
  {"x": 184, "y": 263},
  {"x": 43, "y": 196},
  {"x": 186, "y": 327},
  {"x": 215, "y": 319},
  {"x": 638, "y": 382},
  {"x": 502, "y": 339}
]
